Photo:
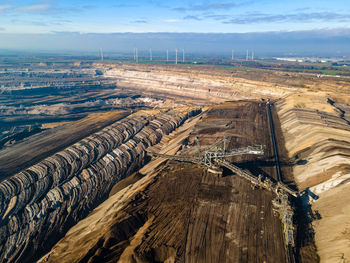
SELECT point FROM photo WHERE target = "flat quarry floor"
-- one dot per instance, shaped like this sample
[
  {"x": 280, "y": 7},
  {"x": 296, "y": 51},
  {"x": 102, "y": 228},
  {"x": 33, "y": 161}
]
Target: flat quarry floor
[{"x": 183, "y": 213}]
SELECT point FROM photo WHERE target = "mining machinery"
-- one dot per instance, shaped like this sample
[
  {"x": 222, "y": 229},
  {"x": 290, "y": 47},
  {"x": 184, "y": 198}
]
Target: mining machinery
[{"x": 214, "y": 156}]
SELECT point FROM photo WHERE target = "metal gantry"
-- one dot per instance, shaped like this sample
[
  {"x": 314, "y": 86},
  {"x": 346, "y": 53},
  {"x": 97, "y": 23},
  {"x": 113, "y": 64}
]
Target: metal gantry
[
  {"x": 282, "y": 206},
  {"x": 215, "y": 155},
  {"x": 210, "y": 156},
  {"x": 216, "y": 152}
]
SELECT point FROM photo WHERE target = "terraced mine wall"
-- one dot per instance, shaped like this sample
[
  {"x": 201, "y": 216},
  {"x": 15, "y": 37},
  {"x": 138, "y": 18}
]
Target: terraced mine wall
[
  {"x": 179, "y": 212},
  {"x": 316, "y": 132},
  {"x": 38, "y": 205},
  {"x": 191, "y": 85}
]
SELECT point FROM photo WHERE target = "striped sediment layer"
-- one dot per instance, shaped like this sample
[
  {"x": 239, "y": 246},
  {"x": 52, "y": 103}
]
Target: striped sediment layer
[
  {"x": 191, "y": 85},
  {"x": 39, "y": 204},
  {"x": 316, "y": 133}
]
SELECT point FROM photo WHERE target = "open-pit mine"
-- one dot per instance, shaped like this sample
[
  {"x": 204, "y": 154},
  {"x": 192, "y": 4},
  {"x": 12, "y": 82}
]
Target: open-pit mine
[{"x": 121, "y": 162}]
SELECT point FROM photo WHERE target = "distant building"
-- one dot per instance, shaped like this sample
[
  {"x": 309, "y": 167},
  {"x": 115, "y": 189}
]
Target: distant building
[
  {"x": 290, "y": 59},
  {"x": 304, "y": 59}
]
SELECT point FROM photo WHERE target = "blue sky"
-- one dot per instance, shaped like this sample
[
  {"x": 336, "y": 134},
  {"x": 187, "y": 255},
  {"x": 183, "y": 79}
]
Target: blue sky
[{"x": 220, "y": 16}]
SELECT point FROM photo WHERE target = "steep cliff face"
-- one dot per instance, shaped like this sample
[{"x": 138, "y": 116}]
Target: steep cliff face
[
  {"x": 39, "y": 204},
  {"x": 192, "y": 85},
  {"x": 317, "y": 135}
]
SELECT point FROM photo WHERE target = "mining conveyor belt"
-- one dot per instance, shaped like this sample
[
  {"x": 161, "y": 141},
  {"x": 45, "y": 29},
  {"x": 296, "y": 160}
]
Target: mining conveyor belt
[
  {"x": 267, "y": 183},
  {"x": 238, "y": 171},
  {"x": 274, "y": 144},
  {"x": 281, "y": 203}
]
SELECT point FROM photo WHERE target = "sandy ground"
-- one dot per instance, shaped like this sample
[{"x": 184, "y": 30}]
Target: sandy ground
[
  {"x": 333, "y": 230},
  {"x": 317, "y": 136},
  {"x": 54, "y": 124},
  {"x": 37, "y": 147},
  {"x": 82, "y": 237},
  {"x": 133, "y": 224},
  {"x": 211, "y": 84},
  {"x": 315, "y": 132},
  {"x": 180, "y": 212}
]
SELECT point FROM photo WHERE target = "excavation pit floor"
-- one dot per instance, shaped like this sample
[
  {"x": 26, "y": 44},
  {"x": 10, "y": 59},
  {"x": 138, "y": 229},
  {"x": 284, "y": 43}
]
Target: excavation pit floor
[{"x": 180, "y": 212}]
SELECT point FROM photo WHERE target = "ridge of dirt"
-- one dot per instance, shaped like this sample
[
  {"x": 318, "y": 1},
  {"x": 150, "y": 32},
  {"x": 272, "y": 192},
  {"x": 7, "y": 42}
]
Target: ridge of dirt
[{"x": 179, "y": 212}]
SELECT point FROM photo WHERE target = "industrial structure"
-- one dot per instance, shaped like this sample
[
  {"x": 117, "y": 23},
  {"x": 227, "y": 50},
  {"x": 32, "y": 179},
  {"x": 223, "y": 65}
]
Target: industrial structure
[{"x": 214, "y": 157}]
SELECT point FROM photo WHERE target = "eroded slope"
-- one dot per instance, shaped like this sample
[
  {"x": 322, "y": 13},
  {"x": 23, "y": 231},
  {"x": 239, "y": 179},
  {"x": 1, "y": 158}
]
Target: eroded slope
[
  {"x": 40, "y": 203},
  {"x": 180, "y": 212},
  {"x": 317, "y": 135}
]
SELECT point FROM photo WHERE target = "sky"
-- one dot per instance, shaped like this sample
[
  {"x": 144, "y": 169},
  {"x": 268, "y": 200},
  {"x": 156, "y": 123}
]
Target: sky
[
  {"x": 218, "y": 16},
  {"x": 20, "y": 18}
]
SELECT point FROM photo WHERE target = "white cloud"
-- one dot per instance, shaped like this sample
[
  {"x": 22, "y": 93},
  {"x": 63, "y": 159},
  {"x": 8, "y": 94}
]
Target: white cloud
[
  {"x": 171, "y": 20},
  {"x": 33, "y": 8},
  {"x": 4, "y": 7}
]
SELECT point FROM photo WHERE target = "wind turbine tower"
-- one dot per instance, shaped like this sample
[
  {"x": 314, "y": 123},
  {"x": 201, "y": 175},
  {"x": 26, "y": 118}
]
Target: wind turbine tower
[
  {"x": 167, "y": 55},
  {"x": 175, "y": 56},
  {"x": 136, "y": 55},
  {"x": 183, "y": 55},
  {"x": 150, "y": 54},
  {"x": 253, "y": 55},
  {"x": 247, "y": 56},
  {"x": 232, "y": 57},
  {"x": 101, "y": 54}
]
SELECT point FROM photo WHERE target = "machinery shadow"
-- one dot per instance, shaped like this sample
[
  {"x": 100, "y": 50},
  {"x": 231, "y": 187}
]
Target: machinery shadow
[{"x": 304, "y": 216}]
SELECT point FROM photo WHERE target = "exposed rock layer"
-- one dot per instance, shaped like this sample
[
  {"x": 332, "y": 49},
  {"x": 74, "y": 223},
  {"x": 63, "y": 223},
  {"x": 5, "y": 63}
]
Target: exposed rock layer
[
  {"x": 182, "y": 213},
  {"x": 317, "y": 135},
  {"x": 39, "y": 204},
  {"x": 192, "y": 86}
]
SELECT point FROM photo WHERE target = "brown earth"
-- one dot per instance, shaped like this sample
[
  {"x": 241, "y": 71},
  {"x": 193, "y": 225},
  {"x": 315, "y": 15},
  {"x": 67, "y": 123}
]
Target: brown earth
[
  {"x": 211, "y": 84},
  {"x": 37, "y": 147},
  {"x": 317, "y": 135},
  {"x": 181, "y": 212}
]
